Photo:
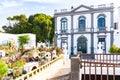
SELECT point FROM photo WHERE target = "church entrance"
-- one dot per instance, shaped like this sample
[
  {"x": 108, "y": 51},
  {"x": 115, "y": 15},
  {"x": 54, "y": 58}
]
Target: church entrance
[{"x": 82, "y": 44}]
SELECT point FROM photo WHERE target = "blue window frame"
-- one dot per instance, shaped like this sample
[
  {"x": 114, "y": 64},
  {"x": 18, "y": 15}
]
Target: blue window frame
[
  {"x": 81, "y": 23},
  {"x": 64, "y": 25},
  {"x": 101, "y": 22}
]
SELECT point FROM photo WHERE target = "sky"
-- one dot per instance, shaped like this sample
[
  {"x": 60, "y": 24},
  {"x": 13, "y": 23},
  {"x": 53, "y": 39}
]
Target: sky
[{"x": 31, "y": 7}]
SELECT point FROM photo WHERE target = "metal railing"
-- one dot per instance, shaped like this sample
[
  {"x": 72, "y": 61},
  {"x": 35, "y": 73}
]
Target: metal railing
[
  {"x": 100, "y": 66},
  {"x": 79, "y": 30},
  {"x": 82, "y": 30}
]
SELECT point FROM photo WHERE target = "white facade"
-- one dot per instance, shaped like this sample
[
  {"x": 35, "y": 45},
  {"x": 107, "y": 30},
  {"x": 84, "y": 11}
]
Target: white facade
[
  {"x": 82, "y": 28},
  {"x": 117, "y": 31},
  {"x": 5, "y": 38}
]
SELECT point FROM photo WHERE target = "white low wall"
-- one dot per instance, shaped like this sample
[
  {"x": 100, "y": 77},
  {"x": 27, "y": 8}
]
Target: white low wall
[{"x": 38, "y": 70}]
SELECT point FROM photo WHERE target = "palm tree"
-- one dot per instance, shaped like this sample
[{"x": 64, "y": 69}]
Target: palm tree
[{"x": 22, "y": 40}]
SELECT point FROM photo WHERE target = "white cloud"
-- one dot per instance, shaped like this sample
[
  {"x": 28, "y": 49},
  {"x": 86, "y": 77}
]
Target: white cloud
[
  {"x": 9, "y": 3},
  {"x": 43, "y": 1}
]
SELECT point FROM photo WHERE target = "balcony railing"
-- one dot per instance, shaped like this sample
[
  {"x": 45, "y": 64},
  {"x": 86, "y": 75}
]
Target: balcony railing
[
  {"x": 102, "y": 29},
  {"x": 64, "y": 31},
  {"x": 82, "y": 30}
]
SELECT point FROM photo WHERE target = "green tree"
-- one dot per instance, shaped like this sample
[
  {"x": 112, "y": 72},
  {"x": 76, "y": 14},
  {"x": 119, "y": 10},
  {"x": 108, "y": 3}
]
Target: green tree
[
  {"x": 40, "y": 24},
  {"x": 44, "y": 27},
  {"x": 22, "y": 40},
  {"x": 9, "y": 19},
  {"x": 3, "y": 69},
  {"x": 19, "y": 25}
]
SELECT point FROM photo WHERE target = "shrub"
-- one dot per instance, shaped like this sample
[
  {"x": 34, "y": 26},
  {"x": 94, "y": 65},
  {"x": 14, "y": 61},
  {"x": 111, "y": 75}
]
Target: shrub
[
  {"x": 17, "y": 71},
  {"x": 118, "y": 50},
  {"x": 42, "y": 49},
  {"x": 59, "y": 51},
  {"x": 114, "y": 49},
  {"x": 3, "y": 69},
  {"x": 9, "y": 65},
  {"x": 19, "y": 63},
  {"x": 42, "y": 54}
]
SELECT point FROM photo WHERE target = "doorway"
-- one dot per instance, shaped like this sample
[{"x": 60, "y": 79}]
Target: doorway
[{"x": 82, "y": 44}]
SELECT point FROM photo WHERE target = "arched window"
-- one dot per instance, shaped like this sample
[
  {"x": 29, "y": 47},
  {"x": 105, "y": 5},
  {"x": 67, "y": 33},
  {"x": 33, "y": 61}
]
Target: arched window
[
  {"x": 63, "y": 25},
  {"x": 81, "y": 23},
  {"x": 101, "y": 22}
]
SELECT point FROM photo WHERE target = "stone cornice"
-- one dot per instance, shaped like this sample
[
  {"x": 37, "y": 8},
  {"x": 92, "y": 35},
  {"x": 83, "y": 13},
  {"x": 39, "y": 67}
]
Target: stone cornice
[{"x": 96, "y": 10}]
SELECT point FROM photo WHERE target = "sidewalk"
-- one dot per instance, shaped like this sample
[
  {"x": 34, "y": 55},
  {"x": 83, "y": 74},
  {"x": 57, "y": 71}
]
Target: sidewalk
[
  {"x": 54, "y": 70},
  {"x": 64, "y": 70}
]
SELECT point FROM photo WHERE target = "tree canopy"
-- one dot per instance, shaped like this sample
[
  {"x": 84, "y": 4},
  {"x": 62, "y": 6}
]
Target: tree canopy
[{"x": 39, "y": 24}]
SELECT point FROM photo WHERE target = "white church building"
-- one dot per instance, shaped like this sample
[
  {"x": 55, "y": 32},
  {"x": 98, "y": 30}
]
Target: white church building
[{"x": 84, "y": 27}]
